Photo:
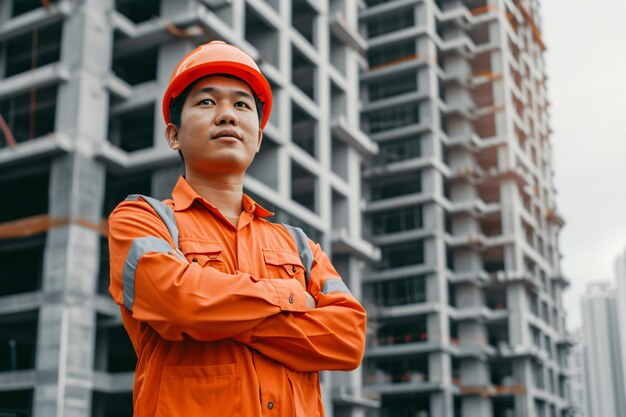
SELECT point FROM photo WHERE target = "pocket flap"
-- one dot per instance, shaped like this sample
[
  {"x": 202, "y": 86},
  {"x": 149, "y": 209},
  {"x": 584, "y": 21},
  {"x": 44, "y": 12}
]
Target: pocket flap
[
  {"x": 200, "y": 246},
  {"x": 279, "y": 257}
]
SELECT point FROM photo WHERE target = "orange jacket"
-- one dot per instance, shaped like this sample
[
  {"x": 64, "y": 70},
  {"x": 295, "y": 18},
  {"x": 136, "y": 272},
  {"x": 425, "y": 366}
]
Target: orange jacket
[{"x": 224, "y": 330}]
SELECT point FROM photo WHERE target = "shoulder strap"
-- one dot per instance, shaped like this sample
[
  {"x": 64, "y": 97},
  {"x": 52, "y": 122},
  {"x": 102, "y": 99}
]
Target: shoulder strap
[
  {"x": 164, "y": 211},
  {"x": 302, "y": 243}
]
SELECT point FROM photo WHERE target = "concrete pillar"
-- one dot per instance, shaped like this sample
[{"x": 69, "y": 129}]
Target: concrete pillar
[
  {"x": 66, "y": 335},
  {"x": 67, "y": 321},
  {"x": 518, "y": 308},
  {"x": 476, "y": 406}
]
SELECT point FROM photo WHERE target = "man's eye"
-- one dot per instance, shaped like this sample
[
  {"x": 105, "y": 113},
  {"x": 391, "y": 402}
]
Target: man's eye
[
  {"x": 207, "y": 101},
  {"x": 241, "y": 104}
]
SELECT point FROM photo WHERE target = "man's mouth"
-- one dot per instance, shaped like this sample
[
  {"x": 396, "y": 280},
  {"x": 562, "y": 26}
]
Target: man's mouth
[{"x": 226, "y": 133}]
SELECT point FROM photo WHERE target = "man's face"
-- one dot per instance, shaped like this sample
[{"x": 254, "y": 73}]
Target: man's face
[{"x": 219, "y": 129}]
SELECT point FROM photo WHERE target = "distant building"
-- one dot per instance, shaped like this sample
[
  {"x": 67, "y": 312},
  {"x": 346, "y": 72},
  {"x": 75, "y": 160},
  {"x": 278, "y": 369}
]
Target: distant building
[
  {"x": 467, "y": 298},
  {"x": 604, "y": 376},
  {"x": 577, "y": 372},
  {"x": 620, "y": 278}
]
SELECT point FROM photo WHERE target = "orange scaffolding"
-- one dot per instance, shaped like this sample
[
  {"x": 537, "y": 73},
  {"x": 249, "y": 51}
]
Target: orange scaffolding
[{"x": 34, "y": 225}]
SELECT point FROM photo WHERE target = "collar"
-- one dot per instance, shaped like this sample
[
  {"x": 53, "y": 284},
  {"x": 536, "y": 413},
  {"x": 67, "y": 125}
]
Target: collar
[{"x": 184, "y": 196}]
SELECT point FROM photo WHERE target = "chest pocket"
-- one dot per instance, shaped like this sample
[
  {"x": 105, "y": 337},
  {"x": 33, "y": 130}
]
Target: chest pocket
[
  {"x": 283, "y": 264},
  {"x": 202, "y": 252}
]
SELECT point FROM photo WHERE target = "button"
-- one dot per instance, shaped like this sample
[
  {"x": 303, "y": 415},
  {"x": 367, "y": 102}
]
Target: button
[
  {"x": 270, "y": 405},
  {"x": 290, "y": 301},
  {"x": 293, "y": 270}
]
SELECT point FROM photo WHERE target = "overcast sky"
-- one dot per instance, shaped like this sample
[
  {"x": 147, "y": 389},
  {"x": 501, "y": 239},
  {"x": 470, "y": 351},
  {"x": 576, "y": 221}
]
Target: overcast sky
[{"x": 586, "y": 61}]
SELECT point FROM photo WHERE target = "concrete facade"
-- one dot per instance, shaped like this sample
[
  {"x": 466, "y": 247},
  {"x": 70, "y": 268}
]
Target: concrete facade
[
  {"x": 466, "y": 302},
  {"x": 604, "y": 378},
  {"x": 81, "y": 82}
]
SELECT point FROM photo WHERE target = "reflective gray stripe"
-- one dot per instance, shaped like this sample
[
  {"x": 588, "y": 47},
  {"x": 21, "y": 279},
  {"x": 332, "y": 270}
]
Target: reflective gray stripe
[
  {"x": 335, "y": 285},
  {"x": 164, "y": 211},
  {"x": 140, "y": 247},
  {"x": 302, "y": 243}
]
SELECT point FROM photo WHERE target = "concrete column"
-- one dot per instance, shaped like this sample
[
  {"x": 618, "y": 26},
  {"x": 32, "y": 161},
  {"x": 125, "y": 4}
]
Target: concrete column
[
  {"x": 66, "y": 333},
  {"x": 518, "y": 316},
  {"x": 5, "y": 15},
  {"x": 67, "y": 322},
  {"x": 476, "y": 406},
  {"x": 441, "y": 404},
  {"x": 524, "y": 404},
  {"x": 469, "y": 296},
  {"x": 323, "y": 101}
]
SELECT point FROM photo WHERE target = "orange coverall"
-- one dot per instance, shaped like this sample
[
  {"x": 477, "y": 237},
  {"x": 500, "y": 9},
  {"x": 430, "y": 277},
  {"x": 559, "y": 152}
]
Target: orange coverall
[{"x": 224, "y": 331}]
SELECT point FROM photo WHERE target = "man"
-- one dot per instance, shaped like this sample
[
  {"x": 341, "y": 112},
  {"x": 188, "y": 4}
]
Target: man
[{"x": 229, "y": 314}]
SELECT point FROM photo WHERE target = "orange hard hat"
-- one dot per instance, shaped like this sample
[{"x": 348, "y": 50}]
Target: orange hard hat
[{"x": 218, "y": 57}]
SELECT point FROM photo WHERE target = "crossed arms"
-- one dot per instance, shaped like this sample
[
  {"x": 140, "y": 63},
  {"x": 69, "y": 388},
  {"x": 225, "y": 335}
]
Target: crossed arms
[{"x": 159, "y": 286}]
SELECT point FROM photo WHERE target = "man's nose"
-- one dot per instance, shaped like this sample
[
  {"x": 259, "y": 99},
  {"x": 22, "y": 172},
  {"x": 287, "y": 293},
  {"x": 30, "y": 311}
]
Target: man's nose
[{"x": 226, "y": 115}]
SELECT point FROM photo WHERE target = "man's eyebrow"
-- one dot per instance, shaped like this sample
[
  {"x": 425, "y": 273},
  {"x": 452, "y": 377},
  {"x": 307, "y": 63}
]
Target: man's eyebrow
[
  {"x": 213, "y": 90},
  {"x": 241, "y": 93}
]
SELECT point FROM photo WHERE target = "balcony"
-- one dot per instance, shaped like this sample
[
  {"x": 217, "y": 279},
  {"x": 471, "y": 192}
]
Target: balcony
[
  {"x": 471, "y": 349},
  {"x": 460, "y": 44},
  {"x": 470, "y": 173},
  {"x": 457, "y": 13},
  {"x": 17, "y": 380},
  {"x": 353, "y": 137},
  {"x": 35, "y": 19},
  {"x": 480, "y": 313},
  {"x": 406, "y": 311},
  {"x": 118, "y": 160},
  {"x": 463, "y": 107},
  {"x": 475, "y": 207},
  {"x": 491, "y": 390},
  {"x": 113, "y": 383},
  {"x": 411, "y": 381},
  {"x": 478, "y": 276},
  {"x": 344, "y": 244},
  {"x": 458, "y": 75},
  {"x": 350, "y": 396},
  {"x": 474, "y": 240},
  {"x": 402, "y": 349},
  {"x": 347, "y": 33},
  {"x": 561, "y": 279}
]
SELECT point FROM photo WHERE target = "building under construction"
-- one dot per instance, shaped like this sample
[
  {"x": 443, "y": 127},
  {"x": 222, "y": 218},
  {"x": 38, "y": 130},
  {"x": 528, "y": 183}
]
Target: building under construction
[
  {"x": 80, "y": 93},
  {"x": 466, "y": 300},
  {"x": 441, "y": 218}
]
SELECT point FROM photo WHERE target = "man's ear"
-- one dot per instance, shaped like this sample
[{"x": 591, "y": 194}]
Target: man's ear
[
  {"x": 171, "y": 135},
  {"x": 260, "y": 139}
]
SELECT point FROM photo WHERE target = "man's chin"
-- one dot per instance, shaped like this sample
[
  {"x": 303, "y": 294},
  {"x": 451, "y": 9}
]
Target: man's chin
[{"x": 226, "y": 165}]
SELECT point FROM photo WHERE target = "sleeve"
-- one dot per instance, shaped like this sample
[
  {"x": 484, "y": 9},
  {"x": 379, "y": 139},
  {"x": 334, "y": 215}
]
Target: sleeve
[
  {"x": 154, "y": 281},
  {"x": 329, "y": 337}
]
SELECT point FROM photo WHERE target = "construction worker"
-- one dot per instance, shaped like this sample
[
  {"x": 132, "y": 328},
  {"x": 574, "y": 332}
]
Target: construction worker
[{"x": 229, "y": 314}]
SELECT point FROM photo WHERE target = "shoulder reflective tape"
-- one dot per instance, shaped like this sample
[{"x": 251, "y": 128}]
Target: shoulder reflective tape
[
  {"x": 140, "y": 247},
  {"x": 302, "y": 243},
  {"x": 335, "y": 285},
  {"x": 164, "y": 211}
]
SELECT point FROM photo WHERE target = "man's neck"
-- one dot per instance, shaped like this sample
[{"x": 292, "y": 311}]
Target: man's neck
[{"x": 223, "y": 192}]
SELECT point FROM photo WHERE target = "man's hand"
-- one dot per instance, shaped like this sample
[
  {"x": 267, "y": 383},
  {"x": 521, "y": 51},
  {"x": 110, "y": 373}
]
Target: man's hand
[{"x": 310, "y": 302}]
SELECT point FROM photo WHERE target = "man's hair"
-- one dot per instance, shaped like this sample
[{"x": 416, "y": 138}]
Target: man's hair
[{"x": 176, "y": 104}]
